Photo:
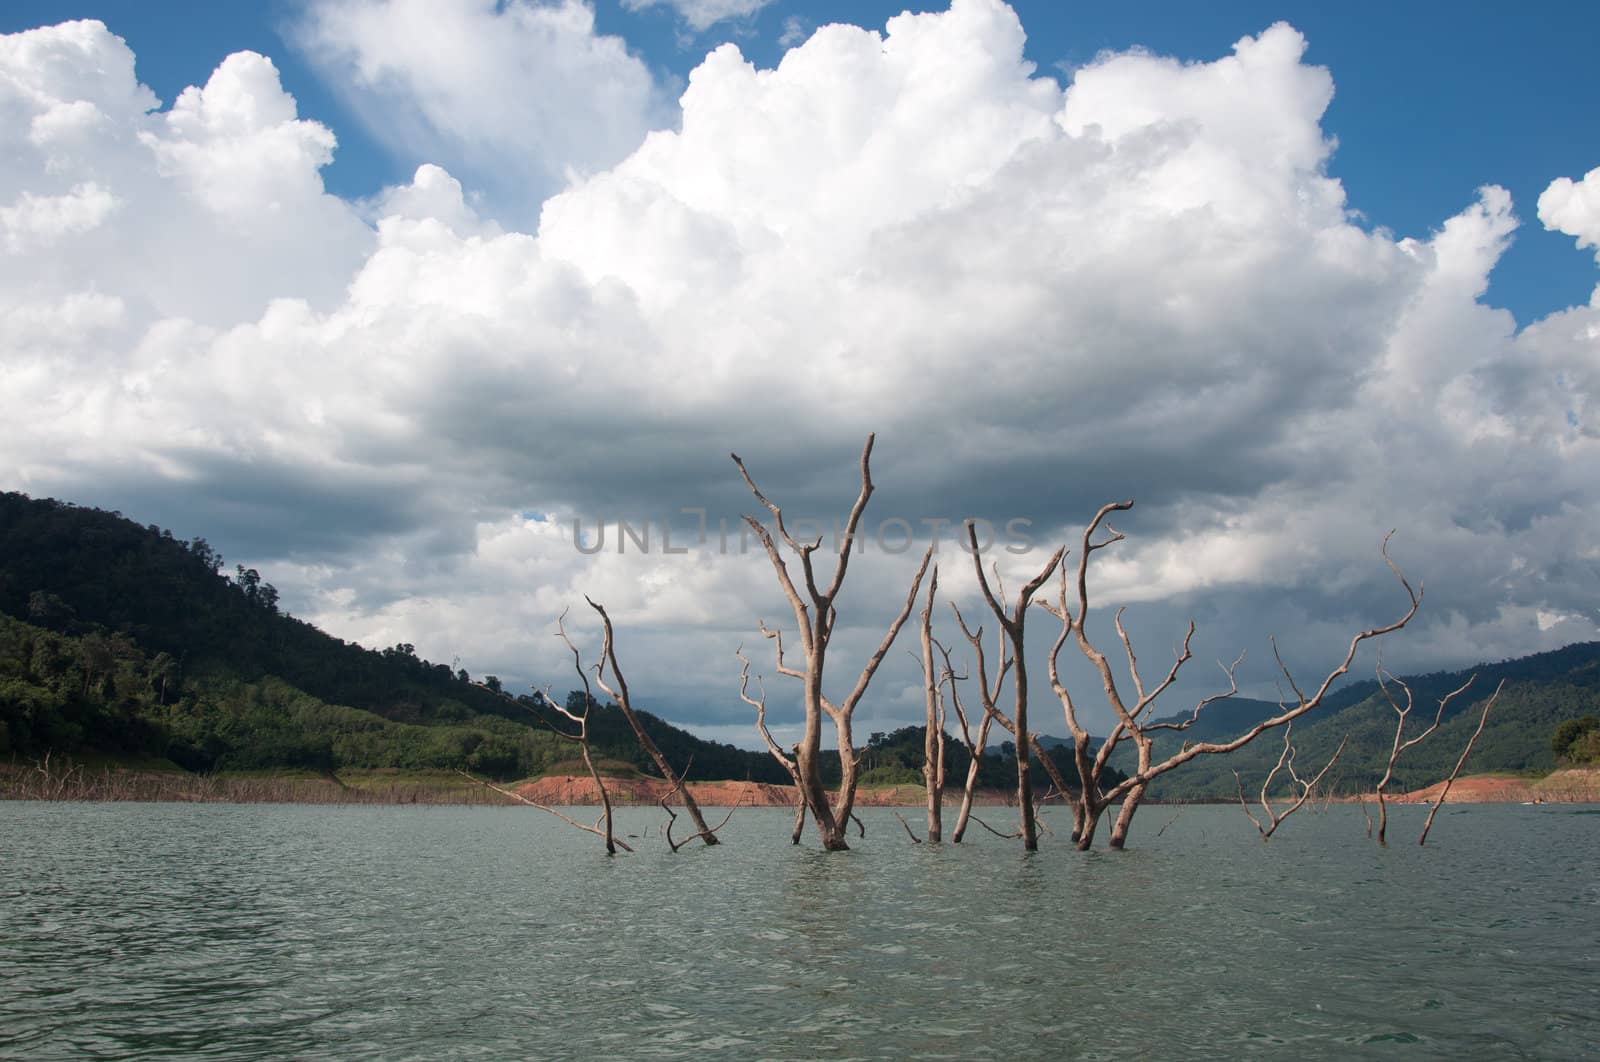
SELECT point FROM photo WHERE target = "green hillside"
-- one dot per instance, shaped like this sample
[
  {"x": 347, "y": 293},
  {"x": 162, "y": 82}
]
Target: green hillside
[
  {"x": 122, "y": 641},
  {"x": 1541, "y": 692}
]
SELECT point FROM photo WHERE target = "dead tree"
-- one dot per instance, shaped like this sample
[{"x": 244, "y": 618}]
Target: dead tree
[
  {"x": 608, "y": 661},
  {"x": 603, "y": 827},
  {"x": 1401, "y": 743},
  {"x": 1448, "y": 782},
  {"x": 1134, "y": 720},
  {"x": 815, "y": 617},
  {"x": 582, "y": 736},
  {"x": 760, "y": 705},
  {"x": 974, "y": 746},
  {"x": 1014, "y": 625},
  {"x": 1304, "y": 787},
  {"x": 933, "y": 733},
  {"x": 989, "y": 696},
  {"x": 612, "y": 841},
  {"x": 672, "y": 816}
]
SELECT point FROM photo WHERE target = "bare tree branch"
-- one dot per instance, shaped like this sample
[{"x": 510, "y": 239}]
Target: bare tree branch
[
  {"x": 1133, "y": 722},
  {"x": 1400, "y": 746},
  {"x": 777, "y": 637},
  {"x": 672, "y": 816},
  {"x": 608, "y": 659},
  {"x": 1448, "y": 782},
  {"x": 974, "y": 746},
  {"x": 612, "y": 842},
  {"x": 1013, "y": 624},
  {"x": 997, "y": 833},
  {"x": 1305, "y": 788},
  {"x": 582, "y": 736},
  {"x": 760, "y": 705},
  {"x": 933, "y": 727}
]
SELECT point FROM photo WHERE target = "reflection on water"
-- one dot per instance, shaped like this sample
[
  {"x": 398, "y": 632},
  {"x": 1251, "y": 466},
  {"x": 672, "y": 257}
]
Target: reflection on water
[{"x": 359, "y": 932}]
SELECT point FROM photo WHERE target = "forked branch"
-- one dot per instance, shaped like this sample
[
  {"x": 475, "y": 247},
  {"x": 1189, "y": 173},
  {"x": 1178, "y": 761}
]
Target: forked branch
[
  {"x": 1473, "y": 740},
  {"x": 760, "y": 705},
  {"x": 1401, "y": 743},
  {"x": 608, "y": 661},
  {"x": 1302, "y": 788}
]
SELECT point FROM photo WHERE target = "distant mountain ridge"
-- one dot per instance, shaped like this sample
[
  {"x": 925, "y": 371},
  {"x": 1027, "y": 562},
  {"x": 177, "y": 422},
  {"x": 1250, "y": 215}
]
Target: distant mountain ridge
[
  {"x": 122, "y": 640},
  {"x": 1541, "y": 691}
]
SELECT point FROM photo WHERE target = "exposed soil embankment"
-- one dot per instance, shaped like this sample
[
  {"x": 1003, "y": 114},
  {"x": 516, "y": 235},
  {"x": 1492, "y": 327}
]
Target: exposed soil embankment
[
  {"x": 571, "y": 789},
  {"x": 1571, "y": 786}
]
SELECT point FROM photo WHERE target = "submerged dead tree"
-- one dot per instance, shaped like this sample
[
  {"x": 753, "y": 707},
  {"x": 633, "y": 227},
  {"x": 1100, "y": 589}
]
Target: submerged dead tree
[
  {"x": 1402, "y": 744},
  {"x": 933, "y": 733},
  {"x": 608, "y": 661},
  {"x": 603, "y": 826},
  {"x": 815, "y": 617},
  {"x": 1134, "y": 718},
  {"x": 1465, "y": 752},
  {"x": 989, "y": 697},
  {"x": 1306, "y": 788},
  {"x": 974, "y": 745},
  {"x": 1014, "y": 624}
]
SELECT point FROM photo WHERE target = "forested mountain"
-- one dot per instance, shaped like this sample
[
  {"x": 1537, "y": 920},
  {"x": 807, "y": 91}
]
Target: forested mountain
[
  {"x": 1541, "y": 692},
  {"x": 125, "y": 641}
]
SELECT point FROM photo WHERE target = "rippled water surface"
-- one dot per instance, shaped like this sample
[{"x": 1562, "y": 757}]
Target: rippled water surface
[{"x": 355, "y": 932}]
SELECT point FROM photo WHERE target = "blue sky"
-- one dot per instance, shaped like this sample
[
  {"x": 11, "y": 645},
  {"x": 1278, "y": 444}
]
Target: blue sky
[
  {"x": 1432, "y": 99},
  {"x": 565, "y": 258}
]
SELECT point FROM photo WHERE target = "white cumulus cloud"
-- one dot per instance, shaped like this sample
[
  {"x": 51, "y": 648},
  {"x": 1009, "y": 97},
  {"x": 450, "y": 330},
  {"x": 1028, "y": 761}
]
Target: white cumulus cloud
[
  {"x": 515, "y": 97},
  {"x": 1146, "y": 282},
  {"x": 42, "y": 219},
  {"x": 1573, "y": 207}
]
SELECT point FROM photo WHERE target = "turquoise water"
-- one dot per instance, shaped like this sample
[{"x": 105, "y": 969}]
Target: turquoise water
[{"x": 270, "y": 931}]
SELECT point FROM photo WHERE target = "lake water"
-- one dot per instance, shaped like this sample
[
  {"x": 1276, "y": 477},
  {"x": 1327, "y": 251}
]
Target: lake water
[{"x": 269, "y": 931}]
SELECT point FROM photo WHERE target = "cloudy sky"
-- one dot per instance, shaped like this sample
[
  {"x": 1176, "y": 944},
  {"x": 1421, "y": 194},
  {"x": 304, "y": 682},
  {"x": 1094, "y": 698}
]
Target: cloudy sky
[{"x": 383, "y": 296}]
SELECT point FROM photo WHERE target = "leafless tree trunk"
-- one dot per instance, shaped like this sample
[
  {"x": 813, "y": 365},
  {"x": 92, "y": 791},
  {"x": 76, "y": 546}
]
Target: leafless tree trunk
[
  {"x": 603, "y": 827},
  {"x": 1014, "y": 625},
  {"x": 974, "y": 746},
  {"x": 933, "y": 733},
  {"x": 1399, "y": 747},
  {"x": 989, "y": 696},
  {"x": 1306, "y": 788},
  {"x": 608, "y": 660},
  {"x": 582, "y": 736},
  {"x": 815, "y": 616},
  {"x": 1473, "y": 740},
  {"x": 1133, "y": 721}
]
